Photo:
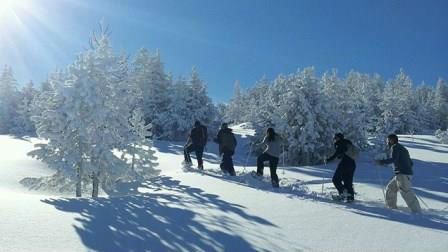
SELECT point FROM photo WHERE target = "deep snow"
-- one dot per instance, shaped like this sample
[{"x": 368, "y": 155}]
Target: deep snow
[{"x": 188, "y": 210}]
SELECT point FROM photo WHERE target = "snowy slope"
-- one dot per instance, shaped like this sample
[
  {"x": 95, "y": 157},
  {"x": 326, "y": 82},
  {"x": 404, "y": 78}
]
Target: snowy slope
[{"x": 187, "y": 210}]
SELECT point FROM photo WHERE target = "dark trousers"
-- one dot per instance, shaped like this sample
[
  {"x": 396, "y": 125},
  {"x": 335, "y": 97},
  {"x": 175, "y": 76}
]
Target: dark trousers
[
  {"x": 343, "y": 176},
  {"x": 199, "y": 150},
  {"x": 273, "y": 162},
  {"x": 227, "y": 162}
]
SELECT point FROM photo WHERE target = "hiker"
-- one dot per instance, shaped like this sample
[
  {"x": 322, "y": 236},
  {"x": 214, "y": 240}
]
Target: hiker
[
  {"x": 401, "y": 181},
  {"x": 273, "y": 143},
  {"x": 227, "y": 143},
  {"x": 343, "y": 176},
  {"x": 196, "y": 142}
]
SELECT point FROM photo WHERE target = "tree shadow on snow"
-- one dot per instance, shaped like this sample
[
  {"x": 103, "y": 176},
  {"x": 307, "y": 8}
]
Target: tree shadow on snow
[
  {"x": 165, "y": 218},
  {"x": 423, "y": 146}
]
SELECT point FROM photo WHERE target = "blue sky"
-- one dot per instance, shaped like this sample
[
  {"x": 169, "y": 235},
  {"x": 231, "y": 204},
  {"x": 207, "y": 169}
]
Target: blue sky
[{"x": 235, "y": 40}]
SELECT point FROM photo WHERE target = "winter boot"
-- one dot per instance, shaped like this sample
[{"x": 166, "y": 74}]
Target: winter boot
[
  {"x": 350, "y": 198},
  {"x": 275, "y": 184},
  {"x": 186, "y": 163},
  {"x": 337, "y": 197}
]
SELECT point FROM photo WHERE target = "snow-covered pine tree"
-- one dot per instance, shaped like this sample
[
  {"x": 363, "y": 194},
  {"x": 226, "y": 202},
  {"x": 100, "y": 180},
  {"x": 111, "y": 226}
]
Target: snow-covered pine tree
[
  {"x": 9, "y": 101},
  {"x": 398, "y": 116},
  {"x": 149, "y": 74},
  {"x": 345, "y": 112},
  {"x": 364, "y": 95},
  {"x": 422, "y": 104},
  {"x": 441, "y": 103},
  {"x": 236, "y": 107},
  {"x": 199, "y": 102},
  {"x": 86, "y": 118},
  {"x": 259, "y": 103},
  {"x": 181, "y": 117},
  {"x": 24, "y": 125}
]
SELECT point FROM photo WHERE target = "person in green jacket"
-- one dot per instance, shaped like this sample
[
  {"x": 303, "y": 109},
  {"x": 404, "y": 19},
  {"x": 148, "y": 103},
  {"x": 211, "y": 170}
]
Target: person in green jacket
[{"x": 401, "y": 181}]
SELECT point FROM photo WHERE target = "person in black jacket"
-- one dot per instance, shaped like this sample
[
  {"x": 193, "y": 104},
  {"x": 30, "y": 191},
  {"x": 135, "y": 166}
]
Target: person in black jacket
[
  {"x": 343, "y": 176},
  {"x": 227, "y": 144},
  {"x": 196, "y": 142}
]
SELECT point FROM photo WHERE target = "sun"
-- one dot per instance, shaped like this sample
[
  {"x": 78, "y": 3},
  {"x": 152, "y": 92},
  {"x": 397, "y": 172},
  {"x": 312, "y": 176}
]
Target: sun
[{"x": 7, "y": 6}]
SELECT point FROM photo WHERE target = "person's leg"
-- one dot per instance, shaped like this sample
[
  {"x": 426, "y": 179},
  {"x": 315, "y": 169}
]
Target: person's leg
[
  {"x": 229, "y": 162},
  {"x": 225, "y": 161},
  {"x": 348, "y": 174},
  {"x": 187, "y": 151},
  {"x": 391, "y": 193},
  {"x": 337, "y": 179},
  {"x": 405, "y": 186},
  {"x": 199, "y": 152},
  {"x": 273, "y": 162},
  {"x": 222, "y": 165},
  {"x": 260, "y": 163}
]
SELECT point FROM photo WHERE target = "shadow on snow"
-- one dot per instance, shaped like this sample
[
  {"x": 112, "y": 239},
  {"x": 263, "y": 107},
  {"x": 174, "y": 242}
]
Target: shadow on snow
[{"x": 157, "y": 221}]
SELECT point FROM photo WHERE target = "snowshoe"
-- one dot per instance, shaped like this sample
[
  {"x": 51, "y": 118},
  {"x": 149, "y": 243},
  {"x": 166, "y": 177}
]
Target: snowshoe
[
  {"x": 256, "y": 175},
  {"x": 338, "y": 197},
  {"x": 349, "y": 199},
  {"x": 186, "y": 165}
]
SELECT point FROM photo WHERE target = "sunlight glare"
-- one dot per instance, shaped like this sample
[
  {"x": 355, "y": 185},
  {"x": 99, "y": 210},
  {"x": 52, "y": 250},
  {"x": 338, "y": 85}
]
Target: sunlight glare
[{"x": 8, "y": 6}]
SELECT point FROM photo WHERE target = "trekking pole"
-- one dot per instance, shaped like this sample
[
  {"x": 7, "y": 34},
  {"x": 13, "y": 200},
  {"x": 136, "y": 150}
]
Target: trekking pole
[
  {"x": 381, "y": 182},
  {"x": 422, "y": 201},
  {"x": 323, "y": 178},
  {"x": 247, "y": 159},
  {"x": 283, "y": 159}
]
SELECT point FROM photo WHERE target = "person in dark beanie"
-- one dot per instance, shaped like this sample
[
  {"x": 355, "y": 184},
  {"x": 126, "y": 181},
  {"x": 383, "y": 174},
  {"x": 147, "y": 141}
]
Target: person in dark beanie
[
  {"x": 196, "y": 142},
  {"x": 273, "y": 143},
  {"x": 227, "y": 144},
  {"x": 401, "y": 181},
  {"x": 343, "y": 176}
]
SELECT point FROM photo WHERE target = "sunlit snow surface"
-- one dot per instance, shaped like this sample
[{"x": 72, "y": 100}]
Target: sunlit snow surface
[{"x": 190, "y": 210}]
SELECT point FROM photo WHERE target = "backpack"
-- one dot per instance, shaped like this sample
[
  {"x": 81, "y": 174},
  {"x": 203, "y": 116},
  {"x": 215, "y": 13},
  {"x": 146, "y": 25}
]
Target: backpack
[
  {"x": 228, "y": 140},
  {"x": 352, "y": 151},
  {"x": 199, "y": 136}
]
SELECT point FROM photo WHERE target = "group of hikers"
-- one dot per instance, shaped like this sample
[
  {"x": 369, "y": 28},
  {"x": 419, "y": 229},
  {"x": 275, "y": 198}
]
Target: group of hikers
[{"x": 344, "y": 173}]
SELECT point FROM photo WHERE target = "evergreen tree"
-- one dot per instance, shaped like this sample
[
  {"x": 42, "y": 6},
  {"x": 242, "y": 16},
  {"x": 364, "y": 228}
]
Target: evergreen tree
[
  {"x": 398, "y": 116},
  {"x": 441, "y": 103},
  {"x": 87, "y": 117},
  {"x": 23, "y": 122},
  {"x": 9, "y": 101},
  {"x": 148, "y": 74}
]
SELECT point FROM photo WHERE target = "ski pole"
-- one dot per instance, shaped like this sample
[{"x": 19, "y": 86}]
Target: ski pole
[
  {"x": 323, "y": 178},
  {"x": 381, "y": 182},
  {"x": 283, "y": 159},
  {"x": 422, "y": 201}
]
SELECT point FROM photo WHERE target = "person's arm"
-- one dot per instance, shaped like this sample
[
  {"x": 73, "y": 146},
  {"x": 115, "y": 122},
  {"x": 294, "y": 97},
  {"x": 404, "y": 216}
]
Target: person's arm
[
  {"x": 393, "y": 159},
  {"x": 264, "y": 141},
  {"x": 340, "y": 150}
]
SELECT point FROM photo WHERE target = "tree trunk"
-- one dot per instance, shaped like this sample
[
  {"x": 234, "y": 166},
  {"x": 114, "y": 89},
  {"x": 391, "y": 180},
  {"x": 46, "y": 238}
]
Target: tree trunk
[{"x": 79, "y": 179}]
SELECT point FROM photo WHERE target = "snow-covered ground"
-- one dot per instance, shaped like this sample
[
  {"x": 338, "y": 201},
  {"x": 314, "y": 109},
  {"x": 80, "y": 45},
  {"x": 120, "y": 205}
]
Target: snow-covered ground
[{"x": 187, "y": 210}]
